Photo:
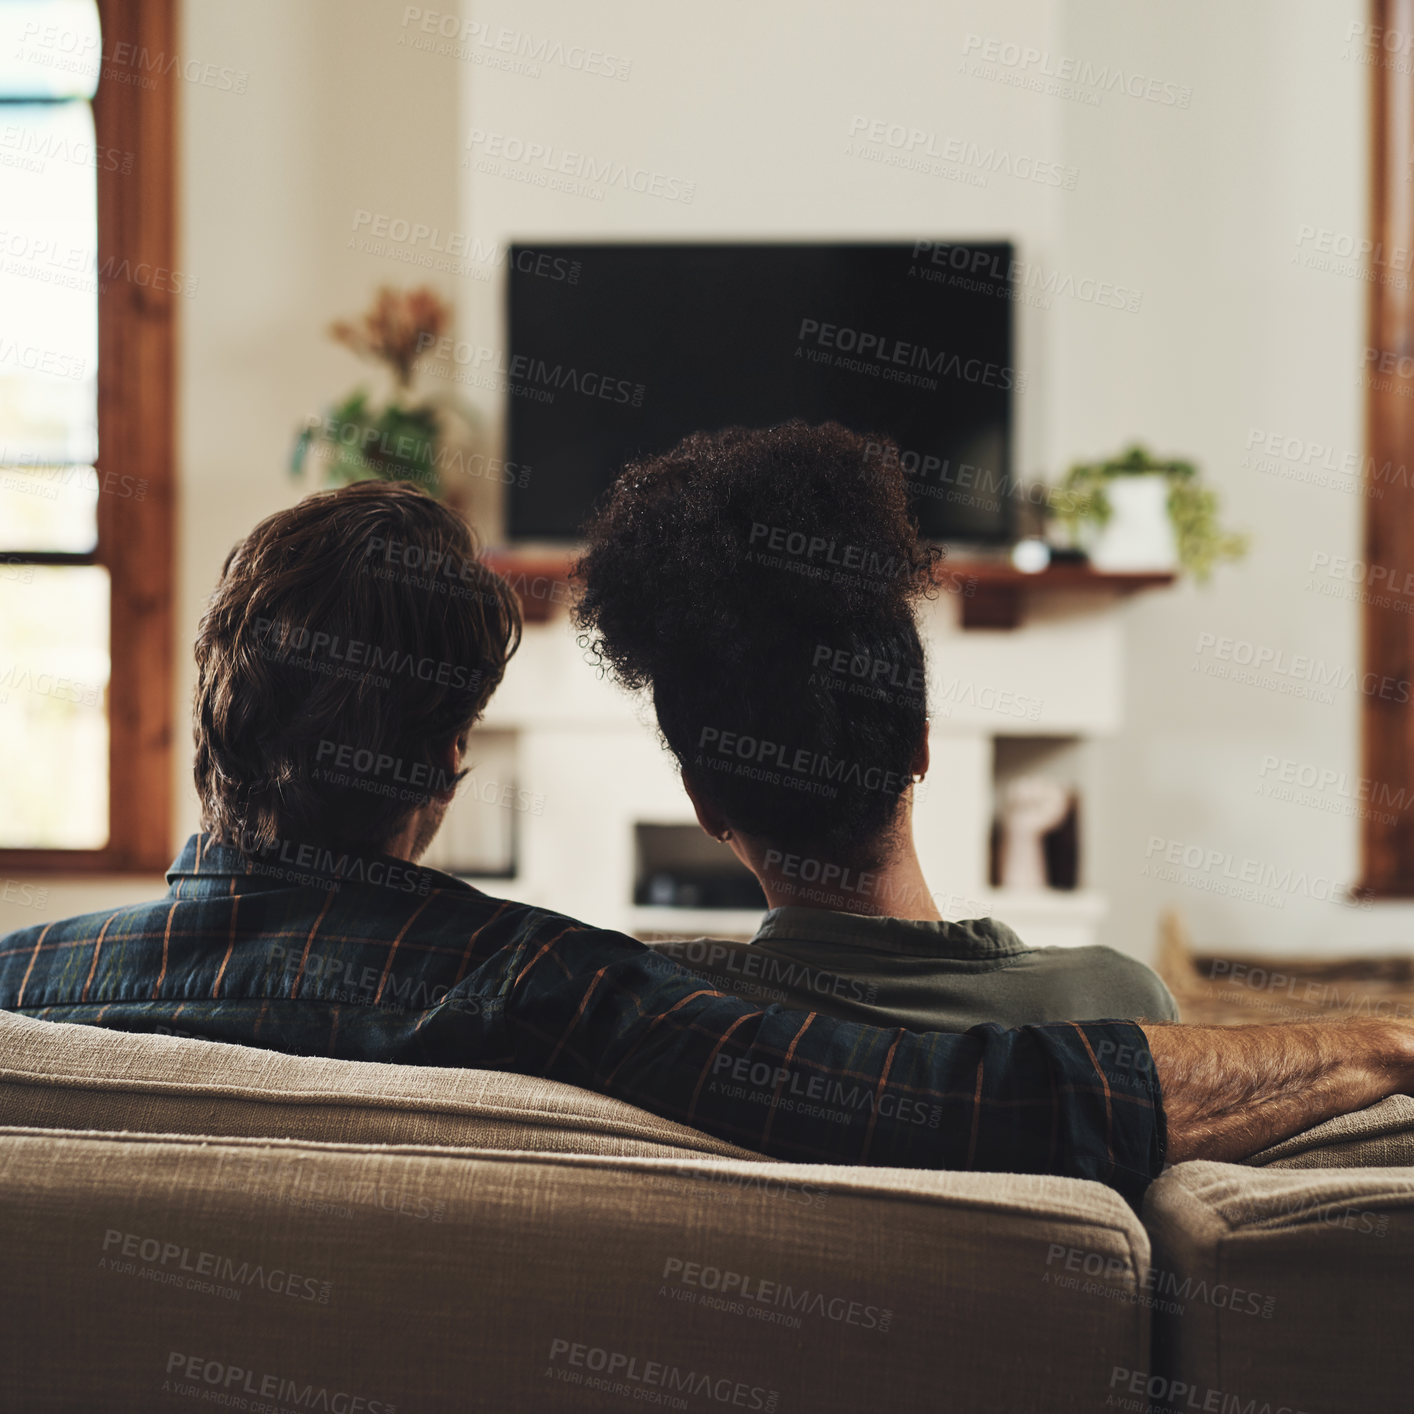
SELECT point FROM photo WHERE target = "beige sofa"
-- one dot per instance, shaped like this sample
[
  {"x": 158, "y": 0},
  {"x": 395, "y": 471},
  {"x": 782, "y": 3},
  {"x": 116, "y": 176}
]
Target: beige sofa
[{"x": 191, "y": 1225}]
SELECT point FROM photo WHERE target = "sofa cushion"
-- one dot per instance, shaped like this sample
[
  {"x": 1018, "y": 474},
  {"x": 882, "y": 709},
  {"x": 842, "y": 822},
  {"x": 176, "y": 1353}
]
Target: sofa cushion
[
  {"x": 1285, "y": 1289},
  {"x": 1379, "y": 1137},
  {"x": 179, "y": 1269},
  {"x": 59, "y": 1075}
]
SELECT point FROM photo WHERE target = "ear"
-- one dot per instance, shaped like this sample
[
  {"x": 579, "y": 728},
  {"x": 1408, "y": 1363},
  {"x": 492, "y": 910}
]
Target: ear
[
  {"x": 449, "y": 759},
  {"x": 921, "y": 757},
  {"x": 707, "y": 816}
]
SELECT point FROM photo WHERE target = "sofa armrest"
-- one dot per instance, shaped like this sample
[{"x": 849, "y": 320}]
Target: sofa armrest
[{"x": 1381, "y": 1136}]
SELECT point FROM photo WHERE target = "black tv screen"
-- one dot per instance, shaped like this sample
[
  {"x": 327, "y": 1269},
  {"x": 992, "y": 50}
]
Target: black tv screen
[{"x": 620, "y": 350}]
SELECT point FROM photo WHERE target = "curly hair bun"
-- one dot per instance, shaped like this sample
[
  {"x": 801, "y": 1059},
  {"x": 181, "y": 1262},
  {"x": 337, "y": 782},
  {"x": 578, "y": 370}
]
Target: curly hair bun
[{"x": 809, "y": 523}]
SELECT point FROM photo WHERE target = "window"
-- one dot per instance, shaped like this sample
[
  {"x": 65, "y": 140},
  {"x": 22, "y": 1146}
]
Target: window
[{"x": 85, "y": 435}]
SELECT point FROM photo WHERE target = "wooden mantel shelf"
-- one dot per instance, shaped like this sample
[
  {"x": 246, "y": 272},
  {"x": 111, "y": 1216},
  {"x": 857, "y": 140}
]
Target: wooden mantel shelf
[
  {"x": 540, "y": 578},
  {"x": 992, "y": 593}
]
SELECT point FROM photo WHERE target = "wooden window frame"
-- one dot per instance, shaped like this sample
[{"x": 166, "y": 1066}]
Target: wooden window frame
[
  {"x": 1387, "y": 746},
  {"x": 136, "y": 438}
]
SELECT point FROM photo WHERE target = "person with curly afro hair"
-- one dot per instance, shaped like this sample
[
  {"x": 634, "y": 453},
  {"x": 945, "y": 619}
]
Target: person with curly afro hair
[{"x": 761, "y": 585}]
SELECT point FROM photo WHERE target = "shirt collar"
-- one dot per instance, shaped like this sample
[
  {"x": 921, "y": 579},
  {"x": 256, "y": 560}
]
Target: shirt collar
[
  {"x": 968, "y": 938},
  {"x": 206, "y": 868}
]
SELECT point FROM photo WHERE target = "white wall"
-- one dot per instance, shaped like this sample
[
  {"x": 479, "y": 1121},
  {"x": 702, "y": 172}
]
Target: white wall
[
  {"x": 1202, "y": 208},
  {"x": 754, "y": 105},
  {"x": 337, "y": 117},
  {"x": 1198, "y": 207},
  {"x": 1196, "y": 203}
]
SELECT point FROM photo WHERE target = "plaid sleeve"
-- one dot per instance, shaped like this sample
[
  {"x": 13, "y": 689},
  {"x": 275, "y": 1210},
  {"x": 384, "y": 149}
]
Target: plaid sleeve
[{"x": 602, "y": 1011}]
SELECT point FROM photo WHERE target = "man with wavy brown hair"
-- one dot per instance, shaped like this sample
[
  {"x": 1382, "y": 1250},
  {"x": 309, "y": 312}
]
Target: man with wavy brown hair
[{"x": 350, "y": 645}]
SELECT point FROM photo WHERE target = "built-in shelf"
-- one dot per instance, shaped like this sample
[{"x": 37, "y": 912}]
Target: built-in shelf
[
  {"x": 1047, "y": 918},
  {"x": 696, "y": 922},
  {"x": 1067, "y": 905}
]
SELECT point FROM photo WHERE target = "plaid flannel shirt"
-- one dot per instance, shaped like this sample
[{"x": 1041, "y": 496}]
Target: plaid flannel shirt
[{"x": 319, "y": 952}]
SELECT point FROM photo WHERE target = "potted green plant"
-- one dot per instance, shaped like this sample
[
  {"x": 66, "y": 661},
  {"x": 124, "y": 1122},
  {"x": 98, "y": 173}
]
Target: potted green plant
[
  {"x": 1141, "y": 512},
  {"x": 403, "y": 437}
]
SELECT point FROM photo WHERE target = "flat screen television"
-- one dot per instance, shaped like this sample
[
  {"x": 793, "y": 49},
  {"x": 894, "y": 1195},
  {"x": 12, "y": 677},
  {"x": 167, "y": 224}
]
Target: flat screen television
[{"x": 619, "y": 350}]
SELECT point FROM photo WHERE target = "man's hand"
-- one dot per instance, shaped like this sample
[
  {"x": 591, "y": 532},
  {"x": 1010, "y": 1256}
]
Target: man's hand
[{"x": 1230, "y": 1091}]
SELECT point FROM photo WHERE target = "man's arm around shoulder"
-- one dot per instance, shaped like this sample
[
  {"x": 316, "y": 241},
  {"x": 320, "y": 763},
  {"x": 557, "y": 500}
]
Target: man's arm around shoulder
[
  {"x": 601, "y": 1011},
  {"x": 1230, "y": 1091}
]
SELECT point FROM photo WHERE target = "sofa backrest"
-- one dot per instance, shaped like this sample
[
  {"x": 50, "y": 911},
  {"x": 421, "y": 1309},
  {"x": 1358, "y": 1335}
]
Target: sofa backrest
[
  {"x": 54, "y": 1075},
  {"x": 1280, "y": 1289},
  {"x": 147, "y": 1273}
]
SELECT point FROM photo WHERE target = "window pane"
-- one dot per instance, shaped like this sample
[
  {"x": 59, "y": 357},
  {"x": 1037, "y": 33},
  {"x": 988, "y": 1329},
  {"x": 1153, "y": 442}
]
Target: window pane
[
  {"x": 53, "y": 707},
  {"x": 49, "y": 48},
  {"x": 48, "y": 283},
  {"x": 48, "y": 508}
]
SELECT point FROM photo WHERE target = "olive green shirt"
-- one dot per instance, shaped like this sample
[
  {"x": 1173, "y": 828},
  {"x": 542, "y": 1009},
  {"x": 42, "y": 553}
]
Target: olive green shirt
[{"x": 923, "y": 976}]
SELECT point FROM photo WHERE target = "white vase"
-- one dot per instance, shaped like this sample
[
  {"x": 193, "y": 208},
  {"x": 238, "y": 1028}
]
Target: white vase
[
  {"x": 1139, "y": 534},
  {"x": 1030, "y": 806}
]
